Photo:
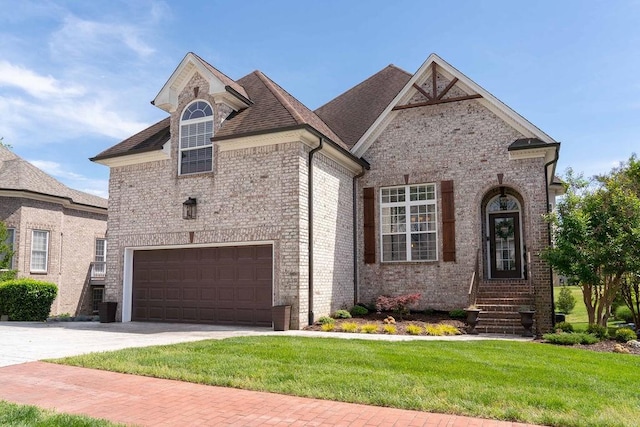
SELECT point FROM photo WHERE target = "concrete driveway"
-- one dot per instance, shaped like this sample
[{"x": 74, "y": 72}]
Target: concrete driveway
[{"x": 30, "y": 341}]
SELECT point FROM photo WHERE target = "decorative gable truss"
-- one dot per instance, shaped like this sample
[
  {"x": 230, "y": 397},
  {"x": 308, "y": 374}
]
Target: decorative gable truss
[{"x": 437, "y": 82}]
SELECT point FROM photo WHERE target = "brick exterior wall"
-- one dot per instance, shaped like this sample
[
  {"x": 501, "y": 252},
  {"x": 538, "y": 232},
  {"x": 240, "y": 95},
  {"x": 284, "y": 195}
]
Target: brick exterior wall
[
  {"x": 253, "y": 195},
  {"x": 464, "y": 142},
  {"x": 72, "y": 235},
  {"x": 332, "y": 236}
]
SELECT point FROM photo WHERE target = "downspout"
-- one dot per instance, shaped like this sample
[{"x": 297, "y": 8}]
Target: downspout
[
  {"x": 355, "y": 236},
  {"x": 546, "y": 188},
  {"x": 310, "y": 219}
]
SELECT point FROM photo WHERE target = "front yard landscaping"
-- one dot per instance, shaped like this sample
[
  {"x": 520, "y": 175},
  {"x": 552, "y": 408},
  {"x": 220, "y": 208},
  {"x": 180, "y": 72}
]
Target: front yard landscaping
[{"x": 519, "y": 381}]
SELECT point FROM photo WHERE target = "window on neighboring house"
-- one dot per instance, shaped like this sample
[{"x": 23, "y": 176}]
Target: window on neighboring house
[
  {"x": 39, "y": 251},
  {"x": 10, "y": 242},
  {"x": 99, "y": 267},
  {"x": 97, "y": 296},
  {"x": 196, "y": 130},
  {"x": 408, "y": 223}
]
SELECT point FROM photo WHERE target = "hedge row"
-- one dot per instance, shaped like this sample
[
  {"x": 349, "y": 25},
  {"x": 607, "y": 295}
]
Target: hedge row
[{"x": 27, "y": 299}]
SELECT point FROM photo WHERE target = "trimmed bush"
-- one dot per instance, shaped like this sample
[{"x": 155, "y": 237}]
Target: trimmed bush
[
  {"x": 349, "y": 327},
  {"x": 564, "y": 327},
  {"x": 624, "y": 313},
  {"x": 399, "y": 305},
  {"x": 328, "y": 327},
  {"x": 369, "y": 328},
  {"x": 27, "y": 299},
  {"x": 414, "y": 329},
  {"x": 326, "y": 320},
  {"x": 341, "y": 314},
  {"x": 598, "y": 331},
  {"x": 458, "y": 313},
  {"x": 625, "y": 335},
  {"x": 566, "y": 301},
  {"x": 564, "y": 338},
  {"x": 358, "y": 310},
  {"x": 389, "y": 329}
]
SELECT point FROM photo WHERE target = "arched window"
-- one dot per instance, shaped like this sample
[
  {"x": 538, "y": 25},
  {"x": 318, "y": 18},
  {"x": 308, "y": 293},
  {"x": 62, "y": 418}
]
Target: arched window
[{"x": 196, "y": 130}]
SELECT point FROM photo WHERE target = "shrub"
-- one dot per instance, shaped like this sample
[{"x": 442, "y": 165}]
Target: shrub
[
  {"x": 566, "y": 301},
  {"x": 328, "y": 327},
  {"x": 458, "y": 313},
  {"x": 369, "y": 328},
  {"x": 349, "y": 327},
  {"x": 564, "y": 327},
  {"x": 564, "y": 338},
  {"x": 624, "y": 313},
  {"x": 389, "y": 329},
  {"x": 358, "y": 310},
  {"x": 625, "y": 335},
  {"x": 441, "y": 329},
  {"x": 414, "y": 329},
  {"x": 27, "y": 299},
  {"x": 598, "y": 331},
  {"x": 8, "y": 275},
  {"x": 399, "y": 305},
  {"x": 325, "y": 320},
  {"x": 341, "y": 314}
]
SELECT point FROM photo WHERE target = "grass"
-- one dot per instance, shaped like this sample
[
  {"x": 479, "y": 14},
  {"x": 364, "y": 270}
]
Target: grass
[
  {"x": 24, "y": 415},
  {"x": 578, "y": 317},
  {"x": 518, "y": 381}
]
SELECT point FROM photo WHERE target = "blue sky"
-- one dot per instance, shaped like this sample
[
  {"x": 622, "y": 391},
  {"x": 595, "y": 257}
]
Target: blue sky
[{"x": 76, "y": 77}]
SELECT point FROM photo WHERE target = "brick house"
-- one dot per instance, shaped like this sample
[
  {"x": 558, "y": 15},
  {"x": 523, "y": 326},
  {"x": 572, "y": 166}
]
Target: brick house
[
  {"x": 57, "y": 233},
  {"x": 243, "y": 198}
]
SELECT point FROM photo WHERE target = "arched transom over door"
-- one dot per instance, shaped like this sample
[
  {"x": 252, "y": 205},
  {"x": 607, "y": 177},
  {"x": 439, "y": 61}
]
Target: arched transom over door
[{"x": 504, "y": 237}]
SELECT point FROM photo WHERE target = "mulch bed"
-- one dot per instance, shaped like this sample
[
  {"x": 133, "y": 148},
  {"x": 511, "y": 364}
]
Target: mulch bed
[
  {"x": 419, "y": 319},
  {"x": 422, "y": 319}
]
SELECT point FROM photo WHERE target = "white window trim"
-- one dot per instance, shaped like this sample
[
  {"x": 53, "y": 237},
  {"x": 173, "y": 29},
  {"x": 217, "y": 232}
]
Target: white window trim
[
  {"x": 407, "y": 204},
  {"x": 208, "y": 145},
  {"x": 46, "y": 252}
]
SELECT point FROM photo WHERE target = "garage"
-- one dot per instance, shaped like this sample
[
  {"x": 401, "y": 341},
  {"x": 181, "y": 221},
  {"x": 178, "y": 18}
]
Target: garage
[{"x": 229, "y": 285}]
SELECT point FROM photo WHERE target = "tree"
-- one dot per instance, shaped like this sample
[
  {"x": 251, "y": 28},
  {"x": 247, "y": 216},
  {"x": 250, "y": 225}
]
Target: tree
[
  {"x": 4, "y": 144},
  {"x": 6, "y": 254},
  {"x": 596, "y": 233}
]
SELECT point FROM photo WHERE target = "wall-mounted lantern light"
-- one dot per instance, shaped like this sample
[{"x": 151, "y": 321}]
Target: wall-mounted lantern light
[
  {"x": 503, "y": 199},
  {"x": 189, "y": 208}
]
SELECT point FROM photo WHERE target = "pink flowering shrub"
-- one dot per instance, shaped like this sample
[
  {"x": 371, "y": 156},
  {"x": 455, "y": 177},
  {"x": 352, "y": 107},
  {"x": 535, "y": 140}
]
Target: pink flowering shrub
[{"x": 399, "y": 305}]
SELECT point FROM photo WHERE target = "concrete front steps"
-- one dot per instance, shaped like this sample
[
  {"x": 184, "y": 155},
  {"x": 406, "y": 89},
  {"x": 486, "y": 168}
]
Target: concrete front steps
[{"x": 500, "y": 301}]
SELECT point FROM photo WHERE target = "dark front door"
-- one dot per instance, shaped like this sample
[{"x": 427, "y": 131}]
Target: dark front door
[{"x": 504, "y": 245}]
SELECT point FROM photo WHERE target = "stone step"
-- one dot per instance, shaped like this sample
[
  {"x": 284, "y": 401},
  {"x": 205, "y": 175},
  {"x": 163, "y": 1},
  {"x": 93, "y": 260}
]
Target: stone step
[
  {"x": 508, "y": 329},
  {"x": 503, "y": 294},
  {"x": 516, "y": 301},
  {"x": 495, "y": 308}
]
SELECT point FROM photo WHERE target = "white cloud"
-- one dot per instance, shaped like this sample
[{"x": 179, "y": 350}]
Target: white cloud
[
  {"x": 78, "y": 37},
  {"x": 34, "y": 84}
]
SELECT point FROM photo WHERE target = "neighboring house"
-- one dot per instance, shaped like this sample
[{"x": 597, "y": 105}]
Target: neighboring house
[
  {"x": 57, "y": 233},
  {"x": 243, "y": 198}
]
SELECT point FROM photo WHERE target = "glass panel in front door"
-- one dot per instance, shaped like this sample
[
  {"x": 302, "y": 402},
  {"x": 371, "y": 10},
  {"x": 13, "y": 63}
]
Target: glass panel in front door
[{"x": 505, "y": 244}]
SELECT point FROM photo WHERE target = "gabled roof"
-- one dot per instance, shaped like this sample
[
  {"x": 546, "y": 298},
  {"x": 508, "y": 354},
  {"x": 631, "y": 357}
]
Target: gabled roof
[
  {"x": 353, "y": 112},
  {"x": 220, "y": 84},
  {"x": 273, "y": 109},
  {"x": 463, "y": 83},
  {"x": 18, "y": 175},
  {"x": 149, "y": 139}
]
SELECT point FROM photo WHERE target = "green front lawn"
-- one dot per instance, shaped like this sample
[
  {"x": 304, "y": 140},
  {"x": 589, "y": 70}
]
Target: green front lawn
[
  {"x": 519, "y": 381},
  {"x": 578, "y": 317},
  {"x": 26, "y": 415}
]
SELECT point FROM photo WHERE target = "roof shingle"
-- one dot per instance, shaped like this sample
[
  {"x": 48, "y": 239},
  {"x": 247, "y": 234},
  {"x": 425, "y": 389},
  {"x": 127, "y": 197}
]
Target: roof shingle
[
  {"x": 353, "y": 112},
  {"x": 19, "y": 175}
]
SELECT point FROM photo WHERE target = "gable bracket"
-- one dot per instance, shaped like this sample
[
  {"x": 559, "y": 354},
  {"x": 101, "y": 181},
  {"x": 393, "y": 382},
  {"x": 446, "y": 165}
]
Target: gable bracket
[
  {"x": 422, "y": 91},
  {"x": 437, "y": 101}
]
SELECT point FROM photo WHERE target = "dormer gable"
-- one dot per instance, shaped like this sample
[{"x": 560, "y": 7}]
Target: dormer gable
[{"x": 222, "y": 88}]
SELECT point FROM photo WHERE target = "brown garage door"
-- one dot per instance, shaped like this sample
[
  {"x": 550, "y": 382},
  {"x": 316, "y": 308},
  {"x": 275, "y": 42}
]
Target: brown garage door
[{"x": 224, "y": 285}]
